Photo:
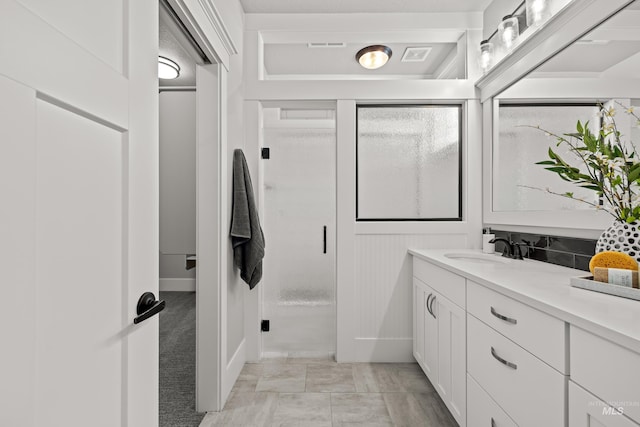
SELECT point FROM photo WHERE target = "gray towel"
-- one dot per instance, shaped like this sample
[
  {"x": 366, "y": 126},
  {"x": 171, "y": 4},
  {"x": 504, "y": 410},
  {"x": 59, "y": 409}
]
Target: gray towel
[{"x": 246, "y": 234}]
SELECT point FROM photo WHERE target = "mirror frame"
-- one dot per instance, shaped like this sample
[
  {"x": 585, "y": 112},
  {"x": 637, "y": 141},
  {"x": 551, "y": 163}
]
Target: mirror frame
[{"x": 571, "y": 23}]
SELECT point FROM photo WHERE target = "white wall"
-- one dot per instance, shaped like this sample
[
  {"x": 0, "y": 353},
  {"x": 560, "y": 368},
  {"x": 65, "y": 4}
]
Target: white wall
[
  {"x": 494, "y": 13},
  {"x": 374, "y": 270},
  {"x": 234, "y": 355},
  {"x": 232, "y": 16},
  {"x": 237, "y": 289},
  {"x": 177, "y": 188},
  {"x": 220, "y": 25}
]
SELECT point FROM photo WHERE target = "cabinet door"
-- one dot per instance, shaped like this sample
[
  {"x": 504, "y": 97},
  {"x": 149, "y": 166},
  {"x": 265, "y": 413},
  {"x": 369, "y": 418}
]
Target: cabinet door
[
  {"x": 431, "y": 343},
  {"x": 451, "y": 357},
  {"x": 418, "y": 322},
  {"x": 586, "y": 410}
]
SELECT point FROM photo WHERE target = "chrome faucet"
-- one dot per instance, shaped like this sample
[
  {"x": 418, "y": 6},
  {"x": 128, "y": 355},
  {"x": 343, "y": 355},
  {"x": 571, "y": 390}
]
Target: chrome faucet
[{"x": 511, "y": 249}]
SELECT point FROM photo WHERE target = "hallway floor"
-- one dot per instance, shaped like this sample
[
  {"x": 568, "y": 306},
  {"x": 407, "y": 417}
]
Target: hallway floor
[
  {"x": 178, "y": 361},
  {"x": 322, "y": 393}
]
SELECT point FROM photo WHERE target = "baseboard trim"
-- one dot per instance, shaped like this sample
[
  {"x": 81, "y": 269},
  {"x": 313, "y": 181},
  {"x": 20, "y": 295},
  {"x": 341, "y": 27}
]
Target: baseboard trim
[
  {"x": 234, "y": 367},
  {"x": 180, "y": 285},
  {"x": 384, "y": 350}
]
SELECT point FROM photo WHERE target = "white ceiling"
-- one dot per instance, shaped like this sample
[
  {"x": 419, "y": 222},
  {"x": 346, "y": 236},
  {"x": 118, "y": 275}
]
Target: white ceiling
[
  {"x": 297, "y": 60},
  {"x": 363, "y": 6}
]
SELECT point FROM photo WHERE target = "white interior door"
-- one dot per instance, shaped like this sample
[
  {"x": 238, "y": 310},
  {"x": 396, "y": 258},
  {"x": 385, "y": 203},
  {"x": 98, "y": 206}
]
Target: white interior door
[{"x": 78, "y": 227}]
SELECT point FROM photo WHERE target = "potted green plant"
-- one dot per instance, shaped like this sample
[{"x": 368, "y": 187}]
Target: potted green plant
[{"x": 610, "y": 167}]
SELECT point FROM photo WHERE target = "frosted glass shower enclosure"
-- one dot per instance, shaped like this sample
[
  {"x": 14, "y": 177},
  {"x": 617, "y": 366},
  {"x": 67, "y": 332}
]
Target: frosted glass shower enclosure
[{"x": 299, "y": 225}]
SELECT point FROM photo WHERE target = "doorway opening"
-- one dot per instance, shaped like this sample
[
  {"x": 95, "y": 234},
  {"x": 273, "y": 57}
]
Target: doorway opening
[
  {"x": 178, "y": 139},
  {"x": 299, "y": 210}
]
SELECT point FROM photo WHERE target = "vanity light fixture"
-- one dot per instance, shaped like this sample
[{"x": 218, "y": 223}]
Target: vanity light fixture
[
  {"x": 486, "y": 55},
  {"x": 537, "y": 12},
  {"x": 508, "y": 31},
  {"x": 167, "y": 69},
  {"x": 372, "y": 57}
]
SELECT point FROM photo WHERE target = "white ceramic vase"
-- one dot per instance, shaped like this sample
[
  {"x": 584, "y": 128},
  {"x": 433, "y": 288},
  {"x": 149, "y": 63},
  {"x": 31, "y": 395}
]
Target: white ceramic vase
[{"x": 621, "y": 237}]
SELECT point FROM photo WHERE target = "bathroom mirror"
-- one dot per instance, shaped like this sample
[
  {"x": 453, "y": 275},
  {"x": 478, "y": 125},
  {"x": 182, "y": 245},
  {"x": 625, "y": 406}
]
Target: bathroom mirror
[{"x": 603, "y": 66}]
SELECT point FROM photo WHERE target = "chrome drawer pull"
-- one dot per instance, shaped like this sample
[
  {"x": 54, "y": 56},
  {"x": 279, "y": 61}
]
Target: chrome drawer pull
[
  {"x": 501, "y": 317},
  {"x": 431, "y": 307},
  {"x": 501, "y": 360},
  {"x": 493, "y": 423}
]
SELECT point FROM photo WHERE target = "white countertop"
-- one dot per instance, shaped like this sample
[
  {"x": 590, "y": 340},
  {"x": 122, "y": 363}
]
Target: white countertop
[{"x": 546, "y": 287}]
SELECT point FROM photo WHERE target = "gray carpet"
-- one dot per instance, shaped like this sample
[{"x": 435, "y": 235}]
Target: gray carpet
[{"x": 178, "y": 361}]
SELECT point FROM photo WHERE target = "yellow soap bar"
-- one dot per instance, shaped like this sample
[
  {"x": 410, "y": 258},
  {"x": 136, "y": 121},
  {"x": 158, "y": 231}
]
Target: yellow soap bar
[
  {"x": 610, "y": 259},
  {"x": 616, "y": 276}
]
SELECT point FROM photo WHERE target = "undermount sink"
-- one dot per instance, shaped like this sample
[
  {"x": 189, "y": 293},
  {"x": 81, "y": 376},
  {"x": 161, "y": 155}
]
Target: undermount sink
[{"x": 478, "y": 258}]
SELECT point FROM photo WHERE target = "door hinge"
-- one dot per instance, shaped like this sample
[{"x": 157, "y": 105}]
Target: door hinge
[
  {"x": 264, "y": 326},
  {"x": 265, "y": 153}
]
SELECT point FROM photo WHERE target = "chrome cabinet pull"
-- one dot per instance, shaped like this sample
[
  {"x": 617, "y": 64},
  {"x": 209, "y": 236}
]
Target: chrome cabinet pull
[
  {"x": 427, "y": 303},
  {"x": 493, "y": 423},
  {"x": 501, "y": 317},
  {"x": 501, "y": 360},
  {"x": 431, "y": 307}
]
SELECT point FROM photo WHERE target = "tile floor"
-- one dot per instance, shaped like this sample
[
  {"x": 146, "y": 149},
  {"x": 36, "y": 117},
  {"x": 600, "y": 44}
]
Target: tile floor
[{"x": 322, "y": 393}]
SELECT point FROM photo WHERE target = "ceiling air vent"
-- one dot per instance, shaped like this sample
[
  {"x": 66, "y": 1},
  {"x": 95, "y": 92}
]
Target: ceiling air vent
[
  {"x": 415, "y": 54},
  {"x": 326, "y": 45}
]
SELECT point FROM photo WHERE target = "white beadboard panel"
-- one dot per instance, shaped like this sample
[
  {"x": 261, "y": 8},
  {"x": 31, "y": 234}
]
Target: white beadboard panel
[
  {"x": 384, "y": 350},
  {"x": 383, "y": 281}
]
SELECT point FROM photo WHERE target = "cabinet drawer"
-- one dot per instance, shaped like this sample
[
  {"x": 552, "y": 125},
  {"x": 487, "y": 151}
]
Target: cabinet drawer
[
  {"x": 537, "y": 332},
  {"x": 586, "y": 410},
  {"x": 482, "y": 410},
  {"x": 530, "y": 391},
  {"x": 445, "y": 282},
  {"x": 608, "y": 370}
]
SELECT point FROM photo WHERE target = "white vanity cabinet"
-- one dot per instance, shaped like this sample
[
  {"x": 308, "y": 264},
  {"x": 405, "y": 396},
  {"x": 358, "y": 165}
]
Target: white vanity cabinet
[
  {"x": 439, "y": 343},
  {"x": 586, "y": 410},
  {"x": 513, "y": 360},
  {"x": 482, "y": 410},
  {"x": 602, "y": 368},
  {"x": 515, "y": 345}
]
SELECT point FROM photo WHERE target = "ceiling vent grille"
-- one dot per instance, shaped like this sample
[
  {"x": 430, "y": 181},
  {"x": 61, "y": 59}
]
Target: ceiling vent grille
[
  {"x": 416, "y": 54},
  {"x": 326, "y": 45}
]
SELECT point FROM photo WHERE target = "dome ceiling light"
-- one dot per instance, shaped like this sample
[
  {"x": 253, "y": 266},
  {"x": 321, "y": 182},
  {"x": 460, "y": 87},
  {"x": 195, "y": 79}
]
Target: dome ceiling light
[
  {"x": 373, "y": 57},
  {"x": 167, "y": 69}
]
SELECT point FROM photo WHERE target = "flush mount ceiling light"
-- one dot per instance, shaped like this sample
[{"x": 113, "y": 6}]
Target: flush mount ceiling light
[
  {"x": 372, "y": 57},
  {"x": 167, "y": 69}
]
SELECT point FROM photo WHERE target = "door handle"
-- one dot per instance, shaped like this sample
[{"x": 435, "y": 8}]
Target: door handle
[
  {"x": 427, "y": 303},
  {"x": 324, "y": 239},
  {"x": 147, "y": 307}
]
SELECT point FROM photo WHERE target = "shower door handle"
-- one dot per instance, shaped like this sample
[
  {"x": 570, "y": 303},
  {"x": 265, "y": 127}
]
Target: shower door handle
[{"x": 324, "y": 239}]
